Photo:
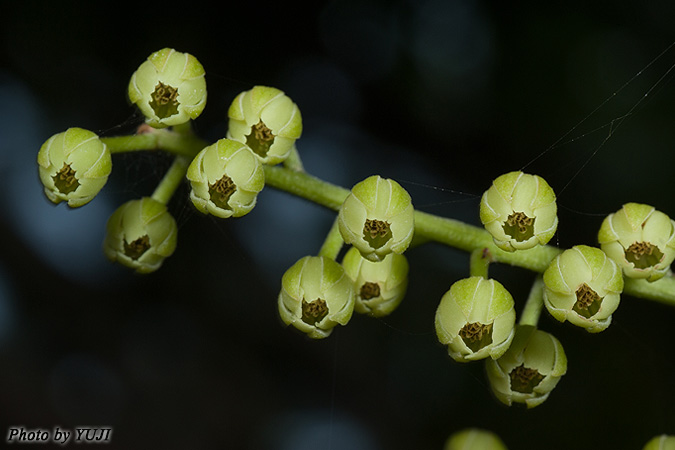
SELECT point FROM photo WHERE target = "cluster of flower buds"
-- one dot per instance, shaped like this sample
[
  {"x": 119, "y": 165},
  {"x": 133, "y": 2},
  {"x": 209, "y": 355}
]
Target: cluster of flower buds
[
  {"x": 476, "y": 317},
  {"x": 474, "y": 439},
  {"x": 373, "y": 276},
  {"x": 169, "y": 89}
]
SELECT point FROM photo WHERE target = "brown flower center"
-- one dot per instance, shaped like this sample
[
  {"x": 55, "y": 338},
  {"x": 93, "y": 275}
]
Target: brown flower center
[
  {"x": 261, "y": 139},
  {"x": 164, "y": 100},
  {"x": 137, "y": 248},
  {"x": 519, "y": 226},
  {"x": 476, "y": 335},
  {"x": 588, "y": 301},
  {"x": 643, "y": 254},
  {"x": 221, "y": 191},
  {"x": 314, "y": 311},
  {"x": 524, "y": 379},
  {"x": 376, "y": 232},
  {"x": 65, "y": 180},
  {"x": 369, "y": 290}
]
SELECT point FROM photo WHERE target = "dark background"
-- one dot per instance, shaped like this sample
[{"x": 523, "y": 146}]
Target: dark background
[{"x": 441, "y": 95}]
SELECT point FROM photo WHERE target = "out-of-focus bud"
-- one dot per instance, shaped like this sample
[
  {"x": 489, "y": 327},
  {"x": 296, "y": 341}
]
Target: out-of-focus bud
[
  {"x": 140, "y": 235},
  {"x": 476, "y": 319},
  {"x": 74, "y": 166},
  {"x": 640, "y": 239},
  {"x": 377, "y": 218},
  {"x": 266, "y": 120},
  {"x": 474, "y": 439},
  {"x": 379, "y": 286},
  {"x": 169, "y": 88},
  {"x": 315, "y": 296},
  {"x": 663, "y": 442},
  {"x": 226, "y": 178},
  {"x": 530, "y": 368},
  {"x": 584, "y": 286},
  {"x": 519, "y": 211}
]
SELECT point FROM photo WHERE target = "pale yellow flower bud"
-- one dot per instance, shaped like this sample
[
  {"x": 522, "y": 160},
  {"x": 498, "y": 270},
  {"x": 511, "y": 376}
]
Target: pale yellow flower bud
[
  {"x": 379, "y": 286},
  {"x": 640, "y": 239},
  {"x": 266, "y": 120},
  {"x": 74, "y": 166},
  {"x": 169, "y": 88},
  {"x": 315, "y": 296},
  {"x": 377, "y": 218},
  {"x": 474, "y": 439},
  {"x": 584, "y": 286},
  {"x": 530, "y": 368},
  {"x": 476, "y": 319},
  {"x": 140, "y": 235},
  {"x": 226, "y": 178},
  {"x": 519, "y": 211}
]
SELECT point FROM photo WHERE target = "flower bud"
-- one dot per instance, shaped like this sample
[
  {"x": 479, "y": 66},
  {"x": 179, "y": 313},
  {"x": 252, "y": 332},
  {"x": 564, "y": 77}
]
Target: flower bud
[
  {"x": 530, "y": 368},
  {"x": 377, "y": 218},
  {"x": 663, "y": 442},
  {"x": 640, "y": 239},
  {"x": 379, "y": 286},
  {"x": 266, "y": 120},
  {"x": 584, "y": 286},
  {"x": 315, "y": 296},
  {"x": 476, "y": 319},
  {"x": 226, "y": 178},
  {"x": 474, "y": 439},
  {"x": 74, "y": 166},
  {"x": 519, "y": 211},
  {"x": 141, "y": 234},
  {"x": 169, "y": 88}
]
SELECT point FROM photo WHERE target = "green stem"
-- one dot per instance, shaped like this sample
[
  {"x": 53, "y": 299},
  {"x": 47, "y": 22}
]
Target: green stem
[
  {"x": 173, "y": 142},
  {"x": 306, "y": 186},
  {"x": 534, "y": 304},
  {"x": 428, "y": 227},
  {"x": 480, "y": 262},
  {"x": 440, "y": 229},
  {"x": 333, "y": 244},
  {"x": 293, "y": 162},
  {"x": 171, "y": 180}
]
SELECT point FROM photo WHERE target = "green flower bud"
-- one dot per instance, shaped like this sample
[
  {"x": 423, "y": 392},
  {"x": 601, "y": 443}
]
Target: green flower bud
[
  {"x": 226, "y": 178},
  {"x": 640, "y": 239},
  {"x": 169, "y": 88},
  {"x": 530, "y": 368},
  {"x": 476, "y": 319},
  {"x": 663, "y": 442},
  {"x": 315, "y": 296},
  {"x": 266, "y": 120},
  {"x": 377, "y": 218},
  {"x": 141, "y": 234},
  {"x": 379, "y": 286},
  {"x": 519, "y": 211},
  {"x": 74, "y": 166},
  {"x": 584, "y": 286},
  {"x": 474, "y": 439}
]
